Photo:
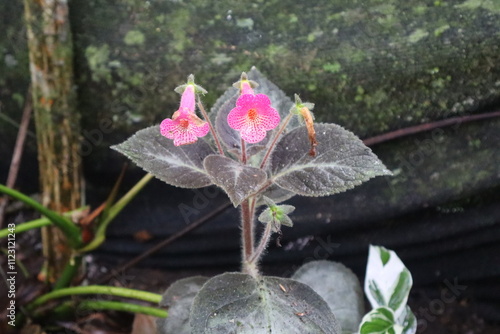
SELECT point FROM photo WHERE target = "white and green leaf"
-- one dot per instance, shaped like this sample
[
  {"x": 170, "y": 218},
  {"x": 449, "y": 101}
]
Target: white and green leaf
[
  {"x": 388, "y": 281},
  {"x": 380, "y": 321}
]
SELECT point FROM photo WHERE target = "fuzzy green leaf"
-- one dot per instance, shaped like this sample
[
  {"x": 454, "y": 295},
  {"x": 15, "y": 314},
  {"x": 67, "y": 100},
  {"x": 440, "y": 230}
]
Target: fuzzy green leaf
[
  {"x": 240, "y": 303},
  {"x": 180, "y": 166},
  {"x": 179, "y": 298},
  {"x": 237, "y": 180},
  {"x": 339, "y": 287},
  {"x": 342, "y": 162}
]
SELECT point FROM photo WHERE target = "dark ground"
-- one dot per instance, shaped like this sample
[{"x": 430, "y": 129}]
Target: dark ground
[{"x": 439, "y": 309}]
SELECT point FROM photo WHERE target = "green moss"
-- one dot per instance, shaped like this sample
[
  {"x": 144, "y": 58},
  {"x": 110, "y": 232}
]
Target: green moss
[
  {"x": 134, "y": 37},
  {"x": 440, "y": 30},
  {"x": 371, "y": 66},
  {"x": 98, "y": 59},
  {"x": 491, "y": 5},
  {"x": 417, "y": 35},
  {"x": 332, "y": 67}
]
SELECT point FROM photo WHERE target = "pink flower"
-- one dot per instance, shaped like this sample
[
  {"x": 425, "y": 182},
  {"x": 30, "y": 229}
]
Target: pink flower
[
  {"x": 253, "y": 116},
  {"x": 246, "y": 87},
  {"x": 185, "y": 127}
]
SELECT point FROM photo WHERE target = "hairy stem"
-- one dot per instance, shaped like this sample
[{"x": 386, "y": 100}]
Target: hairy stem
[
  {"x": 264, "y": 241},
  {"x": 212, "y": 130},
  {"x": 275, "y": 139},
  {"x": 243, "y": 152},
  {"x": 247, "y": 233}
]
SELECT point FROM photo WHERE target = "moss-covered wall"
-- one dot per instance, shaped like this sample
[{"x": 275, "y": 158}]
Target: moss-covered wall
[{"x": 369, "y": 65}]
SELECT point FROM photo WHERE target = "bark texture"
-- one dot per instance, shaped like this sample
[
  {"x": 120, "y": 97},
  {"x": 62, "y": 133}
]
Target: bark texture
[{"x": 57, "y": 120}]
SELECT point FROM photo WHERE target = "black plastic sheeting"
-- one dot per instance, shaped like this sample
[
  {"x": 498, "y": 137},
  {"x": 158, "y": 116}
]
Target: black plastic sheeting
[{"x": 442, "y": 217}]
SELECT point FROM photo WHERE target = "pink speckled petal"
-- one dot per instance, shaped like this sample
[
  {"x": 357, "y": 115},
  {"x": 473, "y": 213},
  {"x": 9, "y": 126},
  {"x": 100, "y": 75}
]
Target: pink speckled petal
[
  {"x": 184, "y": 137},
  {"x": 261, "y": 101},
  {"x": 252, "y": 134},
  {"x": 237, "y": 118},
  {"x": 188, "y": 99},
  {"x": 245, "y": 101},
  {"x": 269, "y": 118},
  {"x": 199, "y": 130},
  {"x": 167, "y": 127}
]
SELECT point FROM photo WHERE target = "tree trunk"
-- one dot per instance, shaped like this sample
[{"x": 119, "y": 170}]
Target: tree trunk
[{"x": 56, "y": 117}]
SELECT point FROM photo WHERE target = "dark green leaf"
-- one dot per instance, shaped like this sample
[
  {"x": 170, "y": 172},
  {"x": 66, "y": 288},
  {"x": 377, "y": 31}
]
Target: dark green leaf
[
  {"x": 239, "y": 303},
  {"x": 180, "y": 166},
  {"x": 178, "y": 298},
  {"x": 384, "y": 255},
  {"x": 339, "y": 287},
  {"x": 342, "y": 162},
  {"x": 239, "y": 181}
]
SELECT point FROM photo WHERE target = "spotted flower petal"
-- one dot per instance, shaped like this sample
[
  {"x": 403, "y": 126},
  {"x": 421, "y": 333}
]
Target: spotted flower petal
[
  {"x": 253, "y": 116},
  {"x": 184, "y": 127}
]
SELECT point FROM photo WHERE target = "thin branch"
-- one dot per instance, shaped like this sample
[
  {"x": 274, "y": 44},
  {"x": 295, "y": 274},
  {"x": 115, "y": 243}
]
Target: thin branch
[
  {"x": 427, "y": 127},
  {"x": 243, "y": 152},
  {"x": 165, "y": 242},
  {"x": 264, "y": 240},
  {"x": 275, "y": 139},
  {"x": 18, "y": 151},
  {"x": 212, "y": 130}
]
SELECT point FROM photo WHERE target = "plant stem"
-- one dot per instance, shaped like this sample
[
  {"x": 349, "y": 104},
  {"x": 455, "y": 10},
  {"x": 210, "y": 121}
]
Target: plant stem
[
  {"x": 247, "y": 232},
  {"x": 100, "y": 234},
  {"x": 121, "y": 306},
  {"x": 275, "y": 139},
  {"x": 67, "y": 309},
  {"x": 96, "y": 289},
  {"x": 264, "y": 240},
  {"x": 70, "y": 230},
  {"x": 212, "y": 130},
  {"x": 243, "y": 152},
  {"x": 37, "y": 223},
  {"x": 18, "y": 151},
  {"x": 69, "y": 272}
]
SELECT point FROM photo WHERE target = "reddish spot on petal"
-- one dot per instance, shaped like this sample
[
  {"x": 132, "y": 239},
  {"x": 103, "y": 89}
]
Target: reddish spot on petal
[
  {"x": 252, "y": 114},
  {"x": 184, "y": 123}
]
